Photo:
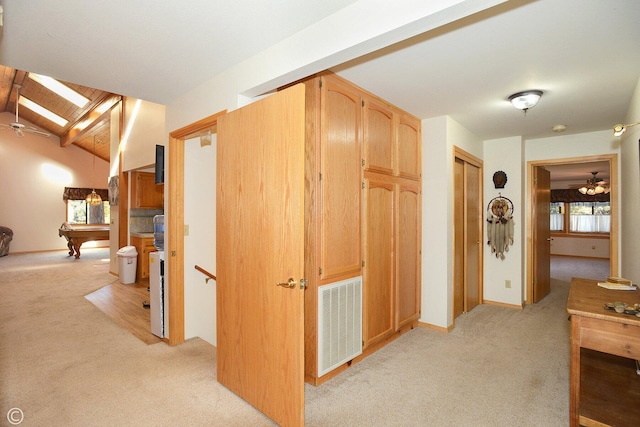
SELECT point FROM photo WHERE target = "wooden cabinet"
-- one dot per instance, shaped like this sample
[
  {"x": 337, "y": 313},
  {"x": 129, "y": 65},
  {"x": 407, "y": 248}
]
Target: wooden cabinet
[
  {"x": 145, "y": 193},
  {"x": 362, "y": 210},
  {"x": 144, "y": 246}
]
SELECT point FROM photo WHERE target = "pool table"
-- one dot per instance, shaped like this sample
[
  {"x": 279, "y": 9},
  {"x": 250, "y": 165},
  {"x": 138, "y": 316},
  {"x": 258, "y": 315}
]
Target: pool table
[{"x": 77, "y": 234}]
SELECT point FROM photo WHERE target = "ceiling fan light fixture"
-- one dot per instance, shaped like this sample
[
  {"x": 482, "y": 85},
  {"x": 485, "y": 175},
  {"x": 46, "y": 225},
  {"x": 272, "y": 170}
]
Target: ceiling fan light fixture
[
  {"x": 593, "y": 186},
  {"x": 526, "y": 99}
]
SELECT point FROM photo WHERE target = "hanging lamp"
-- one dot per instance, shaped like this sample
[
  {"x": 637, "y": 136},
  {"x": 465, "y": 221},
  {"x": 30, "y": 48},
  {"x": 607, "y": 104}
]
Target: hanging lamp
[{"x": 94, "y": 198}]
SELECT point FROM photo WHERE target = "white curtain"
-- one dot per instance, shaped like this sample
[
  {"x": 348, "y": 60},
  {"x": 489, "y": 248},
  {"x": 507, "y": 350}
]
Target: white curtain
[
  {"x": 590, "y": 223},
  {"x": 557, "y": 222}
]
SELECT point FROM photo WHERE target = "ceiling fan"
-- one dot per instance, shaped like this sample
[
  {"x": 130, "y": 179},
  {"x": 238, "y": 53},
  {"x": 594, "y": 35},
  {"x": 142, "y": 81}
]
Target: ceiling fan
[
  {"x": 18, "y": 127},
  {"x": 593, "y": 186}
]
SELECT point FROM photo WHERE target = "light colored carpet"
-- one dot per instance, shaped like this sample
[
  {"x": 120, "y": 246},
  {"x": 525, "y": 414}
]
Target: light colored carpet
[{"x": 64, "y": 363}]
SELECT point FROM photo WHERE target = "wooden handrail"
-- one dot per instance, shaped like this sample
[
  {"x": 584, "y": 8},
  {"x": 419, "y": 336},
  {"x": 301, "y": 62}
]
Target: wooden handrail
[{"x": 206, "y": 273}]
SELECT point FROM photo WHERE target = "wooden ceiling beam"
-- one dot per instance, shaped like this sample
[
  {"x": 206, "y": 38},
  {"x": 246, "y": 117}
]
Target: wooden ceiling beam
[{"x": 90, "y": 120}]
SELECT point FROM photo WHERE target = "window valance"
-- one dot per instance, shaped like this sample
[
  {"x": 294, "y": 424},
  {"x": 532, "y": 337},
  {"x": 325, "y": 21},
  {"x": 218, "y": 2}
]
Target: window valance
[
  {"x": 576, "y": 196},
  {"x": 74, "y": 193}
]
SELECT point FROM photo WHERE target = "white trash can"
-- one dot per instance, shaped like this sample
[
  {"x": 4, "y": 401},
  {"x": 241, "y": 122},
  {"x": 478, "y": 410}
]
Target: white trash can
[{"x": 127, "y": 263}]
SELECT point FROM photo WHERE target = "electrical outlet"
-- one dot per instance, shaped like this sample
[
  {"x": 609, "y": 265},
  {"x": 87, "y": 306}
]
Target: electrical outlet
[
  {"x": 186, "y": 229},
  {"x": 507, "y": 283}
]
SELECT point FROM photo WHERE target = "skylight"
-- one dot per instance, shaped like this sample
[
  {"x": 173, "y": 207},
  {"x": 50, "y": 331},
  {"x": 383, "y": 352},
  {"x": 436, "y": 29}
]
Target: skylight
[
  {"x": 59, "y": 88},
  {"x": 39, "y": 109}
]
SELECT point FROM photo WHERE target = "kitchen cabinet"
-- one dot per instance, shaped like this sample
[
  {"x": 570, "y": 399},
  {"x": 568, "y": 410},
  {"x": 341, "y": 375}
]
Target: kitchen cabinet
[
  {"x": 362, "y": 211},
  {"x": 144, "y": 246},
  {"x": 145, "y": 193}
]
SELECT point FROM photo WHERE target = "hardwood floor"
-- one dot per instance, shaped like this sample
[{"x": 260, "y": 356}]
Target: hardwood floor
[{"x": 123, "y": 304}]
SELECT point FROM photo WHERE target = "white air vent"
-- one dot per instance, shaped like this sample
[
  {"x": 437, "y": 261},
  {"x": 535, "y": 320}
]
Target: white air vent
[{"x": 339, "y": 323}]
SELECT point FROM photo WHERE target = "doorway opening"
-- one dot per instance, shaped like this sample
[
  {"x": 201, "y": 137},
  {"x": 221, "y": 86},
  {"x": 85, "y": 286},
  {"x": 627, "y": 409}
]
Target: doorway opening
[
  {"x": 557, "y": 164},
  {"x": 175, "y": 220}
]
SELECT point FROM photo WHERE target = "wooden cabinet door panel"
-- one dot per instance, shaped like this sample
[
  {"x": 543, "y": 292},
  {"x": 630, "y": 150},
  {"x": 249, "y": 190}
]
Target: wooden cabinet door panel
[
  {"x": 378, "y": 301},
  {"x": 340, "y": 183},
  {"x": 146, "y": 193},
  {"x": 408, "y": 254},
  {"x": 409, "y": 142},
  {"x": 378, "y": 137}
]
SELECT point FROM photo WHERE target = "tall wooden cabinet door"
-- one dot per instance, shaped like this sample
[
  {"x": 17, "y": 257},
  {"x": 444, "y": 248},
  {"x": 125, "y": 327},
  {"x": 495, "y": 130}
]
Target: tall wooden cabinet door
[
  {"x": 340, "y": 181},
  {"x": 378, "y": 136},
  {"x": 378, "y": 301},
  {"x": 408, "y": 249},
  {"x": 260, "y": 241},
  {"x": 409, "y": 143}
]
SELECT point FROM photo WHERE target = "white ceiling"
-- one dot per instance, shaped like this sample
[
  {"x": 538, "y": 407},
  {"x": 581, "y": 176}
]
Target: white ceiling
[{"x": 584, "y": 55}]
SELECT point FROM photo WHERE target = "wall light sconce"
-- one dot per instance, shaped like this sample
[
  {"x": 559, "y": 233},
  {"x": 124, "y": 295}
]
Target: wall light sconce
[
  {"x": 619, "y": 129},
  {"x": 525, "y": 100},
  {"x": 205, "y": 139}
]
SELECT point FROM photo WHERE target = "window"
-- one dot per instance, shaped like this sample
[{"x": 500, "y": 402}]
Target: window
[
  {"x": 78, "y": 211},
  {"x": 557, "y": 216},
  {"x": 581, "y": 217},
  {"x": 589, "y": 217}
]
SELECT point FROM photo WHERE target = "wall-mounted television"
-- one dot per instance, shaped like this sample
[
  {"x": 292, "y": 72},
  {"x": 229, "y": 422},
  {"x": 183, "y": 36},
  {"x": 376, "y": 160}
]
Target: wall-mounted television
[{"x": 159, "y": 164}]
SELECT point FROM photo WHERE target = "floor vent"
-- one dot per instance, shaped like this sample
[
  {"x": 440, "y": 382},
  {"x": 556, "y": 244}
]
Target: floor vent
[{"x": 339, "y": 323}]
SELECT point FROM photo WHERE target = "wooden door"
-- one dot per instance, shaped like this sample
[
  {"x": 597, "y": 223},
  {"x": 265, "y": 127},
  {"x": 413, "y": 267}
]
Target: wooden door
[
  {"x": 260, "y": 229},
  {"x": 541, "y": 234},
  {"x": 473, "y": 236},
  {"x": 468, "y": 233},
  {"x": 458, "y": 238},
  {"x": 378, "y": 283}
]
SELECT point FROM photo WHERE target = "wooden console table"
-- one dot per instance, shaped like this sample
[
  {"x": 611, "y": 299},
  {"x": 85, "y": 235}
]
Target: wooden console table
[{"x": 605, "y": 389}]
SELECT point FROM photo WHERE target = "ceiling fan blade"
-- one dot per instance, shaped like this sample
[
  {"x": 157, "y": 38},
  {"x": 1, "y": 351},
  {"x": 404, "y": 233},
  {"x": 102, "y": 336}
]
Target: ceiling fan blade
[{"x": 37, "y": 132}]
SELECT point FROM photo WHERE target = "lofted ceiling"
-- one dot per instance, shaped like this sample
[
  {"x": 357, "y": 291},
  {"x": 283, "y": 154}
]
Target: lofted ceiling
[
  {"x": 583, "y": 54},
  {"x": 87, "y": 127}
]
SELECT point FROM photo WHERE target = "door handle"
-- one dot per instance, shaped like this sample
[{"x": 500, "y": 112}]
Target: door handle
[{"x": 289, "y": 284}]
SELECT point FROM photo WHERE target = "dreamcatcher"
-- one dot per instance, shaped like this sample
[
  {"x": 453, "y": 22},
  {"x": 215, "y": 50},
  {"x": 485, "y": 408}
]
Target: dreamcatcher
[{"x": 500, "y": 225}]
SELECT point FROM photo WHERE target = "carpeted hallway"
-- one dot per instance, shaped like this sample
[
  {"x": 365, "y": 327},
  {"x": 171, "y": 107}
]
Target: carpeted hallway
[{"x": 65, "y": 363}]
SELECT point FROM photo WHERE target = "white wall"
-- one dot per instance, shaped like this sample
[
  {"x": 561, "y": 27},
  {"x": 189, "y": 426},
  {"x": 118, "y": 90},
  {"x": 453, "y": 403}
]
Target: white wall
[
  {"x": 630, "y": 193},
  {"x": 439, "y": 135},
  {"x": 505, "y": 155},
  {"x": 200, "y": 244},
  {"x": 34, "y": 171},
  {"x": 580, "y": 246},
  {"x": 144, "y": 127}
]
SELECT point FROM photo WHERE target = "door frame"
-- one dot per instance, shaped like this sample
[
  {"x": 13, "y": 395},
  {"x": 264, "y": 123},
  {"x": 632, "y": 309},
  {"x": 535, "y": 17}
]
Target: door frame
[
  {"x": 613, "y": 235},
  {"x": 175, "y": 225}
]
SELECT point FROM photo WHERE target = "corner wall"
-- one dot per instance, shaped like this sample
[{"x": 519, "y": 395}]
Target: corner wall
[
  {"x": 630, "y": 193},
  {"x": 505, "y": 155}
]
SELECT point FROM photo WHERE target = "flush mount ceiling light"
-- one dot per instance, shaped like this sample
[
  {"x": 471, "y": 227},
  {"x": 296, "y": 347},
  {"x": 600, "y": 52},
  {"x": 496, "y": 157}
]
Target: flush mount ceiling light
[
  {"x": 619, "y": 129},
  {"x": 525, "y": 100}
]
